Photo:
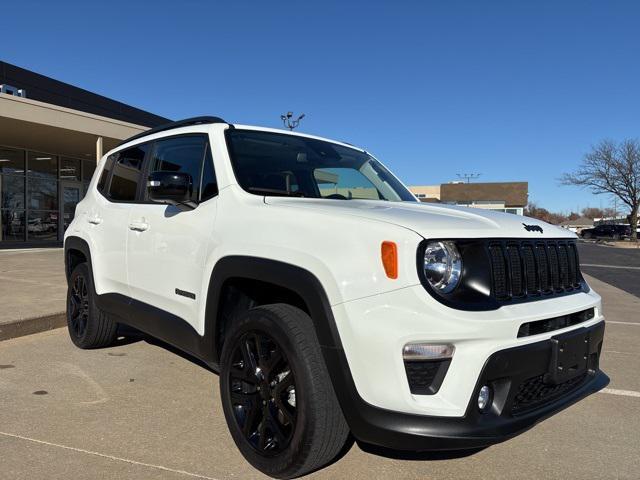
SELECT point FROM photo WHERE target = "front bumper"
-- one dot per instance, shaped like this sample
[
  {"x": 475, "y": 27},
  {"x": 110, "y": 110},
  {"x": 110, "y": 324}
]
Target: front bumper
[{"x": 516, "y": 404}]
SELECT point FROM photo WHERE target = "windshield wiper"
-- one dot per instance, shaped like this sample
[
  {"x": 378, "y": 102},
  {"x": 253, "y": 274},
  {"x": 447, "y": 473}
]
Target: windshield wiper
[{"x": 275, "y": 192}]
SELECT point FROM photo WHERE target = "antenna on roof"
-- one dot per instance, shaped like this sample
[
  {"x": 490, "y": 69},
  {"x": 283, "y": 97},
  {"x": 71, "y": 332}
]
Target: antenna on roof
[
  {"x": 291, "y": 124},
  {"x": 468, "y": 176}
]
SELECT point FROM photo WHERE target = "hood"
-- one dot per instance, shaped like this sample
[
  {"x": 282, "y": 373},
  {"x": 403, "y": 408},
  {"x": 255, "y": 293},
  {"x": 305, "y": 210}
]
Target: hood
[{"x": 433, "y": 220}]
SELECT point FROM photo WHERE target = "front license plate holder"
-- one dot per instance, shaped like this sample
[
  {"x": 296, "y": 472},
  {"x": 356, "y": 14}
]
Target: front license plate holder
[{"x": 569, "y": 356}]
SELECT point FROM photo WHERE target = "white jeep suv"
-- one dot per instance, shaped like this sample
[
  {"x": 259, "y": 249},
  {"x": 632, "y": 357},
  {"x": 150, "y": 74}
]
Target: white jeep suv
[{"x": 327, "y": 297}]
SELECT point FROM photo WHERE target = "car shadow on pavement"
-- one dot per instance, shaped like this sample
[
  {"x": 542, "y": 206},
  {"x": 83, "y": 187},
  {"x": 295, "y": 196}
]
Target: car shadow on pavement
[{"x": 128, "y": 335}]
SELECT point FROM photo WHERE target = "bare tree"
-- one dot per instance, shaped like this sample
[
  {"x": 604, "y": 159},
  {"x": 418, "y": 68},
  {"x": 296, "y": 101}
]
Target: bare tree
[
  {"x": 613, "y": 168},
  {"x": 534, "y": 211}
]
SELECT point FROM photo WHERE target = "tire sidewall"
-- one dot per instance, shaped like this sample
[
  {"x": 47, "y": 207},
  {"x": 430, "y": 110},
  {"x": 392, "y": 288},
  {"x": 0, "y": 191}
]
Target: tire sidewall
[
  {"x": 277, "y": 465},
  {"x": 83, "y": 341}
]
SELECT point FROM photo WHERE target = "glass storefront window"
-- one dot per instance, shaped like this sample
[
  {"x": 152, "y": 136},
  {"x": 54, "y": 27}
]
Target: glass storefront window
[
  {"x": 38, "y": 195},
  {"x": 11, "y": 161},
  {"x": 43, "y": 194},
  {"x": 42, "y": 165},
  {"x": 11, "y": 225},
  {"x": 42, "y": 226},
  {"x": 12, "y": 192},
  {"x": 88, "y": 167},
  {"x": 69, "y": 168}
]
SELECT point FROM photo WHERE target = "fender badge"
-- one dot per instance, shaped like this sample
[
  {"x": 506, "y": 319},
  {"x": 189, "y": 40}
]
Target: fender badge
[{"x": 532, "y": 228}]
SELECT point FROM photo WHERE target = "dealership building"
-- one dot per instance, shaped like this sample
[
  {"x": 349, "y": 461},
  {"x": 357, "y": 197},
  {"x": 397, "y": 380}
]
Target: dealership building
[
  {"x": 51, "y": 135},
  {"x": 509, "y": 197}
]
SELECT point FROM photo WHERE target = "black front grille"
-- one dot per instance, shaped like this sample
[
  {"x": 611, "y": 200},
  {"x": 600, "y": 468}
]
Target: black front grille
[
  {"x": 523, "y": 268},
  {"x": 534, "y": 393}
]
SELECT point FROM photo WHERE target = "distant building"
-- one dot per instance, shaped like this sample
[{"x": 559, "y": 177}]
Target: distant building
[
  {"x": 509, "y": 197},
  {"x": 578, "y": 224},
  {"x": 427, "y": 193}
]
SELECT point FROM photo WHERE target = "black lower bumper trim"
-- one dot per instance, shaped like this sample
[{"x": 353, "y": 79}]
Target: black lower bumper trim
[{"x": 505, "y": 371}]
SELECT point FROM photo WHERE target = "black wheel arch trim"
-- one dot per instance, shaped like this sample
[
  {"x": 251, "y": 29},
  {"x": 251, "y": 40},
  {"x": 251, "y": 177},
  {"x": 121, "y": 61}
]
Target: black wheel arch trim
[
  {"x": 81, "y": 245},
  {"x": 285, "y": 275}
]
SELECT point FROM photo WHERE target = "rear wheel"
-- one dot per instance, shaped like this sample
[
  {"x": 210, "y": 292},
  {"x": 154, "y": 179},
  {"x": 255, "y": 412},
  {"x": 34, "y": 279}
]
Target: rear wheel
[
  {"x": 276, "y": 394},
  {"x": 89, "y": 327}
]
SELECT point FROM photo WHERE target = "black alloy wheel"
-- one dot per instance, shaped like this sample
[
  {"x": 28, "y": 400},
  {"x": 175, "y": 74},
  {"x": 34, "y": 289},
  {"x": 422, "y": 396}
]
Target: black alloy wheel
[
  {"x": 89, "y": 327},
  {"x": 263, "y": 392},
  {"x": 276, "y": 393},
  {"x": 79, "y": 306}
]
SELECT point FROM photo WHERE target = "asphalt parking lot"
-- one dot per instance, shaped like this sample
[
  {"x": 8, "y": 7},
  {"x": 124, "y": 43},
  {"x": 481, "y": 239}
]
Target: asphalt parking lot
[
  {"x": 138, "y": 411},
  {"x": 617, "y": 266}
]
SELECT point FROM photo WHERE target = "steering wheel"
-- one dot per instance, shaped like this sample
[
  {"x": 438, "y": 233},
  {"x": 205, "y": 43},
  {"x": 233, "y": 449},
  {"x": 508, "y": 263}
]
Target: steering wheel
[{"x": 336, "y": 196}]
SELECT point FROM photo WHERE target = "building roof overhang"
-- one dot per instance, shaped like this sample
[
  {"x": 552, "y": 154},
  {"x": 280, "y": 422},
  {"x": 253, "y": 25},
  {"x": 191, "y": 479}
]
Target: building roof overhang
[{"x": 26, "y": 123}]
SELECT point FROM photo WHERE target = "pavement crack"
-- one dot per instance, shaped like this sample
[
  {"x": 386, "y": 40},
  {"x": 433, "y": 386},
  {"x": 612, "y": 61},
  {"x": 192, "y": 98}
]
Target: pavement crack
[{"x": 110, "y": 457}]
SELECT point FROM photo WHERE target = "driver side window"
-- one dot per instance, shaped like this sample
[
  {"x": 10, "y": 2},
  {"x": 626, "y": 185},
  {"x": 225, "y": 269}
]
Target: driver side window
[{"x": 187, "y": 154}]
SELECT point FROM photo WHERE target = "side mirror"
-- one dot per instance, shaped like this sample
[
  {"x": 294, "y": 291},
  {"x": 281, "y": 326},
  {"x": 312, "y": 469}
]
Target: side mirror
[{"x": 173, "y": 188}]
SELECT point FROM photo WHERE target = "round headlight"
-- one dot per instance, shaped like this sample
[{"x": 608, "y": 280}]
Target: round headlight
[{"x": 442, "y": 266}]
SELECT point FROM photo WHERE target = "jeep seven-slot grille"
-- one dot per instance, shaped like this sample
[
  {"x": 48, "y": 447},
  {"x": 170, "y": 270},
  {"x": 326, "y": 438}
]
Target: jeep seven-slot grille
[{"x": 523, "y": 268}]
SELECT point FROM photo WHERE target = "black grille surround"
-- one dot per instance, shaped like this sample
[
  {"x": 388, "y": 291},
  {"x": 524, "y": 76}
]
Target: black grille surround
[
  {"x": 506, "y": 271},
  {"x": 426, "y": 376}
]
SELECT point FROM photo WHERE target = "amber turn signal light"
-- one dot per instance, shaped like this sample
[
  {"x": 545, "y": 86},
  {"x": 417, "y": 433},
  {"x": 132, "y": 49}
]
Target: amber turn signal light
[{"x": 389, "y": 254}]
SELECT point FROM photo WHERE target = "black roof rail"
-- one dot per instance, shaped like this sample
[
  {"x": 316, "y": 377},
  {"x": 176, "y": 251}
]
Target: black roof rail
[{"x": 187, "y": 122}]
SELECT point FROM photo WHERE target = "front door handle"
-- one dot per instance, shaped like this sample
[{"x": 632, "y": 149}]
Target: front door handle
[
  {"x": 138, "y": 226},
  {"x": 95, "y": 220}
]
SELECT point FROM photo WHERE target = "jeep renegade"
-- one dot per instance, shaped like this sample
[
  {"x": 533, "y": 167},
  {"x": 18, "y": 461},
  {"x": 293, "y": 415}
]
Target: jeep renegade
[{"x": 327, "y": 297}]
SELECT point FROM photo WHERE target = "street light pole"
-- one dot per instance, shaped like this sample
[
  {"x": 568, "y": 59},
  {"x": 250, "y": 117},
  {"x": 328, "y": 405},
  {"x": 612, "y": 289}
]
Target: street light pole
[
  {"x": 288, "y": 122},
  {"x": 468, "y": 176}
]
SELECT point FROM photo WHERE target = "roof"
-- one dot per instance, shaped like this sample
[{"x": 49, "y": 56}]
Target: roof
[
  {"x": 28, "y": 123},
  {"x": 513, "y": 194},
  {"x": 578, "y": 222},
  {"x": 54, "y": 92}
]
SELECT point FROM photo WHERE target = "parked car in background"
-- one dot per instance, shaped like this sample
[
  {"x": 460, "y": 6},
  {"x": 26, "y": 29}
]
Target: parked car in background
[{"x": 613, "y": 232}]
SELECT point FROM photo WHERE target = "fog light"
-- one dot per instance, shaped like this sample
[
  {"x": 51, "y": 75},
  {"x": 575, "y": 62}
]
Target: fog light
[{"x": 484, "y": 397}]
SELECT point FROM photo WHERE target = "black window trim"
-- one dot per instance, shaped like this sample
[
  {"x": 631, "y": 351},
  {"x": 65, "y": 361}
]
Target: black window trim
[
  {"x": 142, "y": 198},
  {"x": 141, "y": 192}
]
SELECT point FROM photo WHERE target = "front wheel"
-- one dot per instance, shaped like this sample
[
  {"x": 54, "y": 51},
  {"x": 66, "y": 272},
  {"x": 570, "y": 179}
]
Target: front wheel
[{"x": 276, "y": 393}]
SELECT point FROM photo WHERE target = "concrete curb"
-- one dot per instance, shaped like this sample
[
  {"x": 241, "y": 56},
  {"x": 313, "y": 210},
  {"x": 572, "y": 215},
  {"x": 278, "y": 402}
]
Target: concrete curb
[{"x": 28, "y": 326}]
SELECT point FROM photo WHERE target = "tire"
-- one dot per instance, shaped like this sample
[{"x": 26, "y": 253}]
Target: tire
[
  {"x": 89, "y": 327},
  {"x": 586, "y": 236},
  {"x": 287, "y": 434}
]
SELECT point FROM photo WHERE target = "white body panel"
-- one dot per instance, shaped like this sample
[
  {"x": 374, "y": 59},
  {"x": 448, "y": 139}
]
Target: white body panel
[{"x": 168, "y": 255}]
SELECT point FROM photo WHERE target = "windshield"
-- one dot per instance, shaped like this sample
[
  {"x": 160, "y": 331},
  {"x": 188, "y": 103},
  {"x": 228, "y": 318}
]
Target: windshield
[{"x": 277, "y": 164}]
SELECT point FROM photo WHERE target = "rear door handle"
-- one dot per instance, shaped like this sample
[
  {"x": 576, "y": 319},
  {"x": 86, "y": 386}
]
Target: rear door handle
[
  {"x": 138, "y": 226},
  {"x": 95, "y": 220}
]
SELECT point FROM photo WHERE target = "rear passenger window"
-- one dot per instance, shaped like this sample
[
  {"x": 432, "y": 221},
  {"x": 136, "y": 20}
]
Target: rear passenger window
[
  {"x": 126, "y": 174},
  {"x": 185, "y": 154}
]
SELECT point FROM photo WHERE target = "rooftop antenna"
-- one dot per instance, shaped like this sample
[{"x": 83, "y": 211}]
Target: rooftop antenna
[
  {"x": 288, "y": 122},
  {"x": 468, "y": 176}
]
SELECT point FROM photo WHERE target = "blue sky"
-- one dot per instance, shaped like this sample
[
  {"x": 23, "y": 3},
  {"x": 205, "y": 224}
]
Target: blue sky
[{"x": 515, "y": 90}]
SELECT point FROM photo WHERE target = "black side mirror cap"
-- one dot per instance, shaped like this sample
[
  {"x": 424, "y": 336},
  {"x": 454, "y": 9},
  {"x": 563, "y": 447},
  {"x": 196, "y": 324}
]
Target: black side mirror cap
[{"x": 172, "y": 188}]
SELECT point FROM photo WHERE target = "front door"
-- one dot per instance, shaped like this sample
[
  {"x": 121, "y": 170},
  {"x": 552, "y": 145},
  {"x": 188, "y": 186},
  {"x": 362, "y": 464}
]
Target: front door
[{"x": 167, "y": 245}]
